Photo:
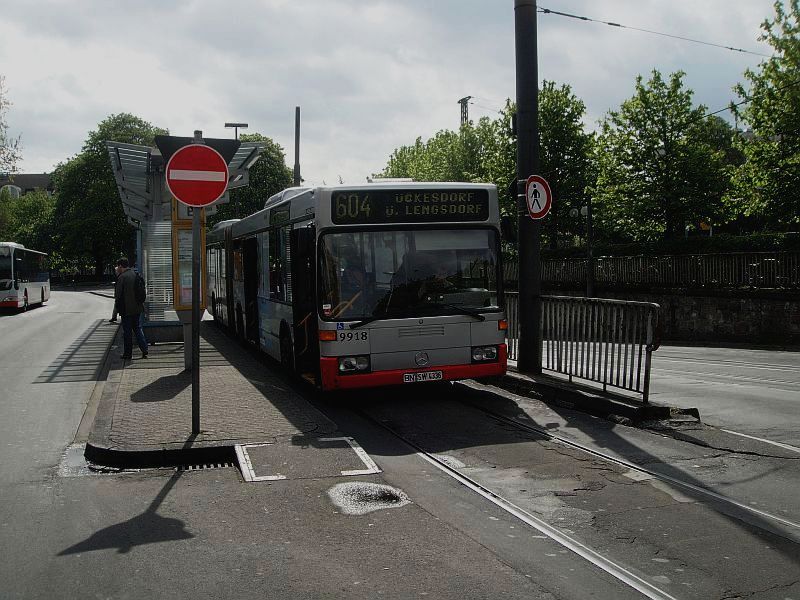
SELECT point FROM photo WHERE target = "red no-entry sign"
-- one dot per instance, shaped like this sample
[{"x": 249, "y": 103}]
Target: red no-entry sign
[{"x": 197, "y": 175}]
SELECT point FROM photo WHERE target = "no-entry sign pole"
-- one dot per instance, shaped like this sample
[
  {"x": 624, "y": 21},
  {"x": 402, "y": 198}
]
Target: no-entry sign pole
[
  {"x": 197, "y": 175},
  {"x": 196, "y": 260}
]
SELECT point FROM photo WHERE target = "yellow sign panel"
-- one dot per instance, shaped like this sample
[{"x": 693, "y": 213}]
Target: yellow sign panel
[{"x": 182, "y": 261}]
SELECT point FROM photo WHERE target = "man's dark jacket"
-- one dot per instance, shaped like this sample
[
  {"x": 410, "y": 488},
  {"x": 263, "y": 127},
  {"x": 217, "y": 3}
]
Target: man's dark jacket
[{"x": 125, "y": 294}]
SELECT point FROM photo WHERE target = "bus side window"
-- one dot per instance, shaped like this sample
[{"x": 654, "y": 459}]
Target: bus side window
[{"x": 280, "y": 283}]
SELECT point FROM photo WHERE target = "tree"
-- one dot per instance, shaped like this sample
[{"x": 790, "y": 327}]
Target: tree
[
  {"x": 268, "y": 176},
  {"x": 32, "y": 220},
  {"x": 767, "y": 185},
  {"x": 91, "y": 224},
  {"x": 6, "y": 215},
  {"x": 475, "y": 153},
  {"x": 659, "y": 166},
  {"x": 447, "y": 156},
  {"x": 564, "y": 157},
  {"x": 9, "y": 147},
  {"x": 487, "y": 152}
]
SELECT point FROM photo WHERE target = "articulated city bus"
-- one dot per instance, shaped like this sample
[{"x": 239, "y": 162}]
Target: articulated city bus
[
  {"x": 24, "y": 279},
  {"x": 361, "y": 286}
]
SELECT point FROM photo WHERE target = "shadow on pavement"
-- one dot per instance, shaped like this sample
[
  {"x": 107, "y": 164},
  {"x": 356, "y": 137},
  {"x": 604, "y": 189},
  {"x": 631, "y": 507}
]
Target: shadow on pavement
[
  {"x": 83, "y": 359},
  {"x": 164, "y": 388},
  {"x": 146, "y": 528}
]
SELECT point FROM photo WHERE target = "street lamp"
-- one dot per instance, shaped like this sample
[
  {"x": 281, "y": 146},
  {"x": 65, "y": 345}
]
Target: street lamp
[{"x": 236, "y": 127}]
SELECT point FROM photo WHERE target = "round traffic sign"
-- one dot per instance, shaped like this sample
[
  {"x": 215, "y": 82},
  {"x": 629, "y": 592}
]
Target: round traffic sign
[
  {"x": 197, "y": 175},
  {"x": 539, "y": 197}
]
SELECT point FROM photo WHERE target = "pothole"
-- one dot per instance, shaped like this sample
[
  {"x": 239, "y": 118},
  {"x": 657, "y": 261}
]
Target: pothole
[{"x": 360, "y": 498}]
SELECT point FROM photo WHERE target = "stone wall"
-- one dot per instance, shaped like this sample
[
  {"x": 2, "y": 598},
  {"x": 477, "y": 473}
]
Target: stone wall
[{"x": 771, "y": 318}]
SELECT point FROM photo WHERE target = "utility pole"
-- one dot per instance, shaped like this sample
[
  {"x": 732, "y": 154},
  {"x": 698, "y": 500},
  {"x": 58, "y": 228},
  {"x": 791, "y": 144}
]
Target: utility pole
[
  {"x": 297, "y": 179},
  {"x": 530, "y": 272},
  {"x": 464, "y": 102}
]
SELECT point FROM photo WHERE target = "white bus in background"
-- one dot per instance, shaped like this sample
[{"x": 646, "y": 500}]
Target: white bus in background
[{"x": 24, "y": 278}]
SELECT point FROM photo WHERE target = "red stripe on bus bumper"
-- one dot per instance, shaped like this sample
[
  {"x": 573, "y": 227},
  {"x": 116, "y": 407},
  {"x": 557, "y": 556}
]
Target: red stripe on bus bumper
[
  {"x": 10, "y": 304},
  {"x": 331, "y": 380}
]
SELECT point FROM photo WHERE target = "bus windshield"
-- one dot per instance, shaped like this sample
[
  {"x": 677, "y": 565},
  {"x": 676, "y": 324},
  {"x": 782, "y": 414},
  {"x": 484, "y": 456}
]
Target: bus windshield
[
  {"x": 6, "y": 279},
  {"x": 393, "y": 274}
]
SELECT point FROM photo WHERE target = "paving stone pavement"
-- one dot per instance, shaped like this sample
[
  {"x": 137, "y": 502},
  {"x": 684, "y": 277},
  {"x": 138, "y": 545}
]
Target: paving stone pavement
[{"x": 147, "y": 403}]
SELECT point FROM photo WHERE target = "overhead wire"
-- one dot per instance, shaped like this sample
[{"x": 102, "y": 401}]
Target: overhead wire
[
  {"x": 728, "y": 107},
  {"x": 747, "y": 99},
  {"x": 549, "y": 11}
]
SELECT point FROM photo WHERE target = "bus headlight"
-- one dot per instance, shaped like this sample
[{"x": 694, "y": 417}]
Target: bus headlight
[
  {"x": 10, "y": 299},
  {"x": 354, "y": 364},
  {"x": 484, "y": 353}
]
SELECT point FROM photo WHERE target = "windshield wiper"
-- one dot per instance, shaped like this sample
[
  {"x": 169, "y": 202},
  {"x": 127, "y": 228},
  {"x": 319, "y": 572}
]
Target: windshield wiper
[
  {"x": 384, "y": 315},
  {"x": 460, "y": 309}
]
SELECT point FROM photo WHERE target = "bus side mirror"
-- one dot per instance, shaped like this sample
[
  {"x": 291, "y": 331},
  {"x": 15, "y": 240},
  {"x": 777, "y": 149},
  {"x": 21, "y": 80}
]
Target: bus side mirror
[
  {"x": 508, "y": 228},
  {"x": 16, "y": 284}
]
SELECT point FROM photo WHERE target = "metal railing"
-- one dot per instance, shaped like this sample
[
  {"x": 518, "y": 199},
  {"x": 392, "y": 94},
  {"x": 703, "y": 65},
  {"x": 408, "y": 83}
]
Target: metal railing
[
  {"x": 759, "y": 270},
  {"x": 605, "y": 341}
]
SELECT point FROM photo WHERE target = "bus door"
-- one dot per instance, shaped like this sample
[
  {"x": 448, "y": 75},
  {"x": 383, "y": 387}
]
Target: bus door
[
  {"x": 230, "y": 314},
  {"x": 304, "y": 306},
  {"x": 250, "y": 267}
]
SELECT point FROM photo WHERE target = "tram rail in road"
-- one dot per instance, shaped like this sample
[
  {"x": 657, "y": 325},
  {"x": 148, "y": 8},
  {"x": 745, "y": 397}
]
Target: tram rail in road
[
  {"x": 611, "y": 567},
  {"x": 634, "y": 467},
  {"x": 618, "y": 561}
]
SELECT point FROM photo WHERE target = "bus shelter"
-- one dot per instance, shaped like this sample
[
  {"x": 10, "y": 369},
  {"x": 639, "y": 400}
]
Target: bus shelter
[{"x": 148, "y": 206}]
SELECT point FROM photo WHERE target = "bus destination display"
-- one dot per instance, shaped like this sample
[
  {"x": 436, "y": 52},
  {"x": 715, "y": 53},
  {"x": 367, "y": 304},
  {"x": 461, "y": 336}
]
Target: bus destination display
[{"x": 357, "y": 207}]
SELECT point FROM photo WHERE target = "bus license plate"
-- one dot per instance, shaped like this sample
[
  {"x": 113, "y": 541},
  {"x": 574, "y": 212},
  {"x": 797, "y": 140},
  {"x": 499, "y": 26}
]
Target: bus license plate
[{"x": 425, "y": 376}]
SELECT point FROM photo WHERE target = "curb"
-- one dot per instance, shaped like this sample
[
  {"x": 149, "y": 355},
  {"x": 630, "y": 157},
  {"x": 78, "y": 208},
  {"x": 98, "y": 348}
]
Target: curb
[{"x": 605, "y": 405}]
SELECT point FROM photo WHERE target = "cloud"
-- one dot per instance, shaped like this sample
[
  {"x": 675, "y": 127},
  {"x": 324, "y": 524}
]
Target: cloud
[{"x": 370, "y": 75}]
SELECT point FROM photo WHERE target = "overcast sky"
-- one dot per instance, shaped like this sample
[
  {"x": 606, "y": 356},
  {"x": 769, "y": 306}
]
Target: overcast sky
[{"x": 369, "y": 75}]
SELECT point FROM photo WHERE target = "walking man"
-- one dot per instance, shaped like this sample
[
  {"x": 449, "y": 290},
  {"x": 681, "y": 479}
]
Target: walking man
[{"x": 130, "y": 310}]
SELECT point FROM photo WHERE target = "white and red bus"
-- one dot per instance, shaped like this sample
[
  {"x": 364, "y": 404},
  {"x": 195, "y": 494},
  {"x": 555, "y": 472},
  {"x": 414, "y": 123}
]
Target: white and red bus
[
  {"x": 370, "y": 285},
  {"x": 24, "y": 278}
]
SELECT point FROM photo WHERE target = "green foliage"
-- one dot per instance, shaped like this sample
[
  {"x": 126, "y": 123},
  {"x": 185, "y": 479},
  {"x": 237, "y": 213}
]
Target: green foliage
[
  {"x": 268, "y": 176},
  {"x": 9, "y": 147},
  {"x": 486, "y": 152},
  {"x": 660, "y": 164},
  {"x": 565, "y": 151},
  {"x": 91, "y": 224},
  {"x": 31, "y": 221},
  {"x": 767, "y": 186},
  {"x": 6, "y": 216},
  {"x": 447, "y": 156}
]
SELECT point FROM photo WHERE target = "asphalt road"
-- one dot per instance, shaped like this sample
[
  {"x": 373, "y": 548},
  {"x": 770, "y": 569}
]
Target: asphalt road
[
  {"x": 67, "y": 531},
  {"x": 754, "y": 392}
]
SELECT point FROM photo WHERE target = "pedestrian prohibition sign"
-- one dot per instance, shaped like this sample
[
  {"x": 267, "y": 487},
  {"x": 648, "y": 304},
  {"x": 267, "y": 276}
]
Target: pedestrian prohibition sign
[
  {"x": 538, "y": 196},
  {"x": 197, "y": 175}
]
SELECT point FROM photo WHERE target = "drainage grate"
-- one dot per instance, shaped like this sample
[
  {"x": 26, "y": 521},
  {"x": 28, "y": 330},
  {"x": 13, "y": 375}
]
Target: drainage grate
[{"x": 205, "y": 467}]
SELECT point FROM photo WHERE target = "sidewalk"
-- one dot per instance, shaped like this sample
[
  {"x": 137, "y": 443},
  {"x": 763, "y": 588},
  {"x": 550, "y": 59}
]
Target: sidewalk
[
  {"x": 144, "y": 416},
  {"x": 589, "y": 397}
]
